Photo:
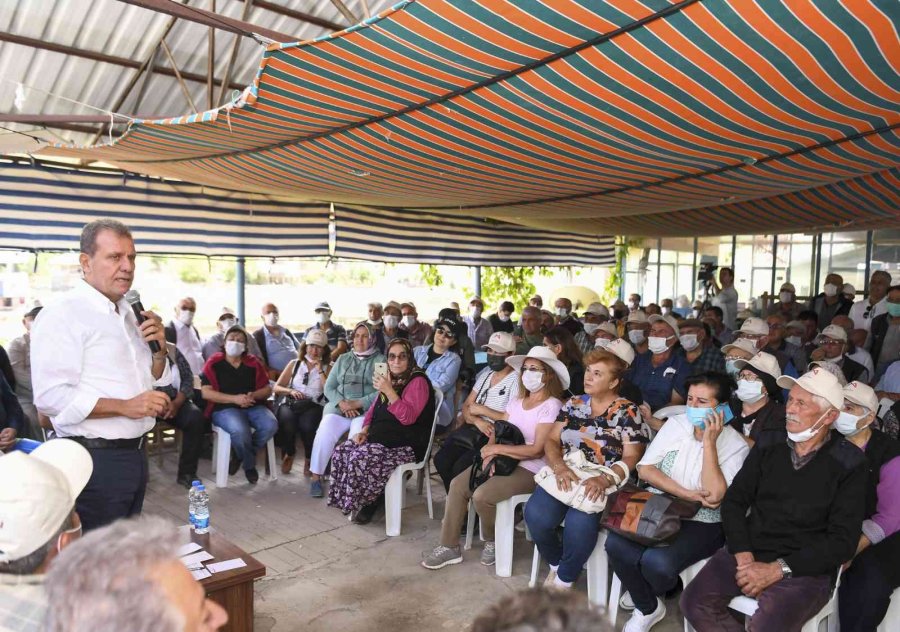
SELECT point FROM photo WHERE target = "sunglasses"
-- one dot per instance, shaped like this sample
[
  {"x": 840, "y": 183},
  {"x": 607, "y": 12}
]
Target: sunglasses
[
  {"x": 398, "y": 356},
  {"x": 445, "y": 332}
]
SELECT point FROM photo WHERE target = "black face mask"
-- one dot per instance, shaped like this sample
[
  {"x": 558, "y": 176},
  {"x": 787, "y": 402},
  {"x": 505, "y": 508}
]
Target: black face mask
[{"x": 496, "y": 363}]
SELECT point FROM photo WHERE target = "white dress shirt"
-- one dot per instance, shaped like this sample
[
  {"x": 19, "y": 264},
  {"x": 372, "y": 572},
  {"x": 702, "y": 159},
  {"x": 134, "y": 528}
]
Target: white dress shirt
[
  {"x": 861, "y": 318},
  {"x": 188, "y": 342},
  {"x": 82, "y": 350}
]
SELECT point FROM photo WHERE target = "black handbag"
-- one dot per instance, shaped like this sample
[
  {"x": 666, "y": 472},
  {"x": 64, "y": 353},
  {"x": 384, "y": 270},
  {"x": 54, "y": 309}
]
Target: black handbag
[
  {"x": 468, "y": 437},
  {"x": 505, "y": 433},
  {"x": 297, "y": 406}
]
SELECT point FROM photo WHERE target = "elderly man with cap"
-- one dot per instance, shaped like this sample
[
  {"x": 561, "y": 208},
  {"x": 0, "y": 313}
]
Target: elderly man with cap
[
  {"x": 777, "y": 342},
  {"x": 502, "y": 319},
  {"x": 336, "y": 334},
  {"x": 832, "y": 345},
  {"x": 792, "y": 516},
  {"x": 479, "y": 329},
  {"x": 787, "y": 304},
  {"x": 758, "y": 402},
  {"x": 181, "y": 332},
  {"x": 660, "y": 372},
  {"x": 37, "y": 521},
  {"x": 849, "y": 293},
  {"x": 699, "y": 351},
  {"x": 757, "y": 331},
  {"x": 216, "y": 343},
  {"x": 637, "y": 328},
  {"x": 419, "y": 331},
  {"x": 856, "y": 338},
  {"x": 740, "y": 349},
  {"x": 874, "y": 572},
  {"x": 595, "y": 315},
  {"x": 831, "y": 301}
]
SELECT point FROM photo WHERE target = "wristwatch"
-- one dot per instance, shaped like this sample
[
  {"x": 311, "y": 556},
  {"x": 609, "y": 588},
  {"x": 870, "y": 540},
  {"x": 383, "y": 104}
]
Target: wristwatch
[{"x": 786, "y": 572}]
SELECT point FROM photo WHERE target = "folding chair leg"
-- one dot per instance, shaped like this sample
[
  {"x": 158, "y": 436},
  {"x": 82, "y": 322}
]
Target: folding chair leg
[
  {"x": 427, "y": 480},
  {"x": 535, "y": 567},
  {"x": 270, "y": 457}
]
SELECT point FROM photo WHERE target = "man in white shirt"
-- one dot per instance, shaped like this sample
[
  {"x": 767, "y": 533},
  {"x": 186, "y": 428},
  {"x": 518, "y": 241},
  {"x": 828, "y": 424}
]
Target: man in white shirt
[
  {"x": 181, "y": 332},
  {"x": 479, "y": 328},
  {"x": 862, "y": 312},
  {"x": 726, "y": 297},
  {"x": 94, "y": 373}
]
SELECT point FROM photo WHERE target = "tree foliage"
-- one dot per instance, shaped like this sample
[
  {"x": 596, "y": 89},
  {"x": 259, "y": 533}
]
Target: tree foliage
[
  {"x": 497, "y": 284},
  {"x": 616, "y": 280}
]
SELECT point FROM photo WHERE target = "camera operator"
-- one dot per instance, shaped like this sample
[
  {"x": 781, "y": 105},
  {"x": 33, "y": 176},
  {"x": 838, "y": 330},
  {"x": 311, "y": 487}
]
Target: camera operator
[{"x": 726, "y": 296}]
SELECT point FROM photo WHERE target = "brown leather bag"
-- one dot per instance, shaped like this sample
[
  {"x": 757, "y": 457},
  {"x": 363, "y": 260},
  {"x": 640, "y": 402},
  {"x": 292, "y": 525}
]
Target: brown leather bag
[{"x": 644, "y": 517}]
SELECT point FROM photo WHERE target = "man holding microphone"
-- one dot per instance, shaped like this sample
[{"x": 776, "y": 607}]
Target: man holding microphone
[{"x": 94, "y": 372}]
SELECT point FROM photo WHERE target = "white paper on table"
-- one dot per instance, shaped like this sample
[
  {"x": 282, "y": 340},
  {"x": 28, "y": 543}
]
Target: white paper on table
[
  {"x": 190, "y": 547},
  {"x": 196, "y": 558},
  {"x": 227, "y": 565},
  {"x": 201, "y": 574}
]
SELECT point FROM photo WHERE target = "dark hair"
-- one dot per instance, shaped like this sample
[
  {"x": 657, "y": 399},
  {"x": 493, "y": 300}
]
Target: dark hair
[
  {"x": 541, "y": 610},
  {"x": 723, "y": 384},
  {"x": 32, "y": 314},
  {"x": 570, "y": 354},
  {"x": 726, "y": 269},
  {"x": 240, "y": 330},
  {"x": 92, "y": 229},
  {"x": 716, "y": 310},
  {"x": 894, "y": 287},
  {"x": 507, "y": 306},
  {"x": 808, "y": 314}
]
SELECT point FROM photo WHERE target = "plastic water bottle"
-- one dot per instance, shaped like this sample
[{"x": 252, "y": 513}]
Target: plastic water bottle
[
  {"x": 192, "y": 503},
  {"x": 201, "y": 511}
]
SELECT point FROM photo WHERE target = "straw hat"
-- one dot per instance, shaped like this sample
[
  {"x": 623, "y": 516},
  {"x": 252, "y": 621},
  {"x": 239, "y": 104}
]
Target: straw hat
[{"x": 547, "y": 357}]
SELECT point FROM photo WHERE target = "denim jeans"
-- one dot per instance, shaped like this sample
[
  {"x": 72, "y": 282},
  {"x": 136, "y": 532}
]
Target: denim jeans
[
  {"x": 238, "y": 422},
  {"x": 649, "y": 572},
  {"x": 543, "y": 515}
]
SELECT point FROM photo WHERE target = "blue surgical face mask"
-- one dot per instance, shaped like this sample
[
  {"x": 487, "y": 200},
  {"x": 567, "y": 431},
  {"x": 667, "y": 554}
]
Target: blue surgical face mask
[
  {"x": 697, "y": 416},
  {"x": 730, "y": 368}
]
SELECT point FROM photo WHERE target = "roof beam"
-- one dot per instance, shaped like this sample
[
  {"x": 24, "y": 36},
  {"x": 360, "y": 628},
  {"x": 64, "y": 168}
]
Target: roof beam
[
  {"x": 109, "y": 59},
  {"x": 298, "y": 15},
  {"x": 47, "y": 119},
  {"x": 347, "y": 13},
  {"x": 210, "y": 19}
]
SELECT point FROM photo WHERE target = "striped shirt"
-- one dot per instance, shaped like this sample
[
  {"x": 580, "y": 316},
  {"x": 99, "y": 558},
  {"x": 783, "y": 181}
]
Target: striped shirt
[{"x": 495, "y": 397}]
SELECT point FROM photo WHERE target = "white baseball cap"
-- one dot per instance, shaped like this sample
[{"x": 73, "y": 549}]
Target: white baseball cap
[
  {"x": 762, "y": 361},
  {"x": 621, "y": 349},
  {"x": 547, "y": 357},
  {"x": 667, "y": 319},
  {"x": 849, "y": 289},
  {"x": 316, "y": 337},
  {"x": 819, "y": 382},
  {"x": 47, "y": 483},
  {"x": 861, "y": 394},
  {"x": 323, "y": 307},
  {"x": 638, "y": 316},
  {"x": 608, "y": 328},
  {"x": 743, "y": 344},
  {"x": 226, "y": 311},
  {"x": 597, "y": 309},
  {"x": 755, "y": 326},
  {"x": 501, "y": 342},
  {"x": 835, "y": 332}
]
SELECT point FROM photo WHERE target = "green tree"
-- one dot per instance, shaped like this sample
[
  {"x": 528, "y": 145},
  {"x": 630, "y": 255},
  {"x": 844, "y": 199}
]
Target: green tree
[{"x": 617, "y": 279}]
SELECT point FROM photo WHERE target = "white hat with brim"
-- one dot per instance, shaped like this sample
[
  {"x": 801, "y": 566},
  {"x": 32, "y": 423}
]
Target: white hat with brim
[
  {"x": 638, "y": 316},
  {"x": 862, "y": 395},
  {"x": 608, "y": 328},
  {"x": 597, "y": 309},
  {"x": 755, "y": 326},
  {"x": 835, "y": 332},
  {"x": 819, "y": 382},
  {"x": 47, "y": 483},
  {"x": 667, "y": 319},
  {"x": 547, "y": 357},
  {"x": 741, "y": 344},
  {"x": 316, "y": 337},
  {"x": 622, "y": 350},
  {"x": 762, "y": 361}
]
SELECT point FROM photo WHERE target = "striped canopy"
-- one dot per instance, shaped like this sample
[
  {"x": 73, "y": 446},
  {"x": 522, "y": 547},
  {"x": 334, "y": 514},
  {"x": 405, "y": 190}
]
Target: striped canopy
[{"x": 638, "y": 117}]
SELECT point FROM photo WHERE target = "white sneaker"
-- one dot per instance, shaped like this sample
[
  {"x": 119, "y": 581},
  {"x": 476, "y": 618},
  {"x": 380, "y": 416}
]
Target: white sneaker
[
  {"x": 643, "y": 622},
  {"x": 550, "y": 577},
  {"x": 625, "y": 601}
]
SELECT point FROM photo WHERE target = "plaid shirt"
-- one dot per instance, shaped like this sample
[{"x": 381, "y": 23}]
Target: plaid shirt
[
  {"x": 23, "y": 603},
  {"x": 710, "y": 360}
]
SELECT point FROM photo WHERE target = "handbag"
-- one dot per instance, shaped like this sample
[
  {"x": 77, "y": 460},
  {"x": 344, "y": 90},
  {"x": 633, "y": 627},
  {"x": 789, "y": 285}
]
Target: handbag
[
  {"x": 505, "y": 433},
  {"x": 576, "y": 497},
  {"x": 646, "y": 518},
  {"x": 297, "y": 406},
  {"x": 468, "y": 438}
]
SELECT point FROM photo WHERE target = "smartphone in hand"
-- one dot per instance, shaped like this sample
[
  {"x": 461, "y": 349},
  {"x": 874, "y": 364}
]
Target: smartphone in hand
[{"x": 381, "y": 368}]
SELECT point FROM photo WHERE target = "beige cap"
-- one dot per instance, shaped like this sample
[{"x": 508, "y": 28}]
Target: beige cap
[
  {"x": 755, "y": 326},
  {"x": 622, "y": 350},
  {"x": 849, "y": 289},
  {"x": 47, "y": 483},
  {"x": 835, "y": 332},
  {"x": 788, "y": 287},
  {"x": 796, "y": 324},
  {"x": 765, "y": 362},
  {"x": 501, "y": 342},
  {"x": 408, "y": 304},
  {"x": 608, "y": 328},
  {"x": 861, "y": 394},
  {"x": 597, "y": 309},
  {"x": 226, "y": 311},
  {"x": 743, "y": 344},
  {"x": 316, "y": 337},
  {"x": 638, "y": 316},
  {"x": 667, "y": 319},
  {"x": 392, "y": 304},
  {"x": 819, "y": 382},
  {"x": 547, "y": 357}
]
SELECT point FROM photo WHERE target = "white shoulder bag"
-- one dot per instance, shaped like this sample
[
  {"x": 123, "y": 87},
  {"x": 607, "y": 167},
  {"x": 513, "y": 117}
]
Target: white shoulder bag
[{"x": 584, "y": 469}]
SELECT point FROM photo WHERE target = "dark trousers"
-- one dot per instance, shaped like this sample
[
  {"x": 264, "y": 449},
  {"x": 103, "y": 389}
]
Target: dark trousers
[
  {"x": 193, "y": 426},
  {"x": 453, "y": 459},
  {"x": 784, "y": 606},
  {"x": 650, "y": 572},
  {"x": 865, "y": 593},
  {"x": 291, "y": 422},
  {"x": 116, "y": 487}
]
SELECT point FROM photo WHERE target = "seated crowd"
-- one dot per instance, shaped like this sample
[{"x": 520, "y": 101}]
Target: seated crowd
[{"x": 770, "y": 428}]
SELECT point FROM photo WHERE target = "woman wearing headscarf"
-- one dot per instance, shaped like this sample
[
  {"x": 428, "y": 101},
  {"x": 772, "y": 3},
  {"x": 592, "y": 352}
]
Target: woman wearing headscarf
[
  {"x": 396, "y": 430},
  {"x": 758, "y": 403},
  {"x": 350, "y": 393}
]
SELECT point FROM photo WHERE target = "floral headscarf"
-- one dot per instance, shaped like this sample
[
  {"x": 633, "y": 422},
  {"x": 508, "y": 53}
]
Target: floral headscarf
[{"x": 371, "y": 349}]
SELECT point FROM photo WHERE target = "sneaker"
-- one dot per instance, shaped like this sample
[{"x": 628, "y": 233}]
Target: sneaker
[
  {"x": 252, "y": 476},
  {"x": 625, "y": 602},
  {"x": 315, "y": 489},
  {"x": 442, "y": 556},
  {"x": 640, "y": 622},
  {"x": 489, "y": 554},
  {"x": 551, "y": 578}
]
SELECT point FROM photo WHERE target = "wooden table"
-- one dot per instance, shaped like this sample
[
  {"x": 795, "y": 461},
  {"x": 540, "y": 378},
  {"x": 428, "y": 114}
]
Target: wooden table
[{"x": 233, "y": 589}]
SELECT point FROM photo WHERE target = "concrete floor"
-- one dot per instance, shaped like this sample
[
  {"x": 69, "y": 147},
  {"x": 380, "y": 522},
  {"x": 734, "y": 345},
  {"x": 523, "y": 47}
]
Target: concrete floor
[{"x": 325, "y": 574}]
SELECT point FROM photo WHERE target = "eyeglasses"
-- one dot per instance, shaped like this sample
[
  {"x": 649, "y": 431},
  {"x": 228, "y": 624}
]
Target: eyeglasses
[
  {"x": 534, "y": 368},
  {"x": 831, "y": 343},
  {"x": 445, "y": 332},
  {"x": 398, "y": 356}
]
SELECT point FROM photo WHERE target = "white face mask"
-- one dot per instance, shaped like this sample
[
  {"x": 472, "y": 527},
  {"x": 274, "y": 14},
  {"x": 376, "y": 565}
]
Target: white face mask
[
  {"x": 846, "y": 423},
  {"x": 391, "y": 322},
  {"x": 665, "y": 310},
  {"x": 374, "y": 323},
  {"x": 186, "y": 317},
  {"x": 748, "y": 391},
  {"x": 475, "y": 312},
  {"x": 689, "y": 342},
  {"x": 658, "y": 344},
  {"x": 831, "y": 290},
  {"x": 632, "y": 305},
  {"x": 602, "y": 343},
  {"x": 805, "y": 435},
  {"x": 271, "y": 319},
  {"x": 234, "y": 348},
  {"x": 636, "y": 336},
  {"x": 323, "y": 317},
  {"x": 533, "y": 381},
  {"x": 794, "y": 340},
  {"x": 408, "y": 321},
  {"x": 504, "y": 317},
  {"x": 590, "y": 328},
  {"x": 786, "y": 297},
  {"x": 562, "y": 312},
  {"x": 227, "y": 324}
]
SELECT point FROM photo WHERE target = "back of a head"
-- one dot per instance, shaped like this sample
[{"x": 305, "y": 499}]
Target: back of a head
[
  {"x": 539, "y": 610},
  {"x": 104, "y": 581}
]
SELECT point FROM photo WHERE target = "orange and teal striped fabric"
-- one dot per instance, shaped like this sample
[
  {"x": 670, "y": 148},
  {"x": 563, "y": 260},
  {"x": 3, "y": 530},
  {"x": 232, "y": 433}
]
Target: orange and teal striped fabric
[{"x": 641, "y": 117}]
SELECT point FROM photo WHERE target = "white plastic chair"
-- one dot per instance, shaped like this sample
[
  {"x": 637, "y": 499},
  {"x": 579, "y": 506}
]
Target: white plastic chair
[
  {"x": 597, "y": 572},
  {"x": 505, "y": 531},
  {"x": 222, "y": 454},
  {"x": 747, "y": 606},
  {"x": 395, "y": 490},
  {"x": 891, "y": 621},
  {"x": 687, "y": 576}
]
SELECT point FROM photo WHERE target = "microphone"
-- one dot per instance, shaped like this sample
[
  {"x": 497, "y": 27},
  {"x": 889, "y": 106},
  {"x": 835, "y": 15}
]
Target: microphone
[{"x": 134, "y": 299}]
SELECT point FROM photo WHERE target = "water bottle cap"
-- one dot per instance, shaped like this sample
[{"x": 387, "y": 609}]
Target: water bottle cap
[
  {"x": 196, "y": 483},
  {"x": 201, "y": 486}
]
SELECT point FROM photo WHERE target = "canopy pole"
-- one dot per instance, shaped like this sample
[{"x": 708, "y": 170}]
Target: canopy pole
[
  {"x": 818, "y": 267},
  {"x": 694, "y": 274},
  {"x": 478, "y": 281},
  {"x": 869, "y": 246},
  {"x": 240, "y": 280},
  {"x": 774, "y": 266},
  {"x": 658, "y": 266}
]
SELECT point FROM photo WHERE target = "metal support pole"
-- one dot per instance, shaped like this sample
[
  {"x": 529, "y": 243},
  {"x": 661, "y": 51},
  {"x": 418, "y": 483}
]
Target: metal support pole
[
  {"x": 478, "y": 281},
  {"x": 240, "y": 279},
  {"x": 870, "y": 242},
  {"x": 733, "y": 251},
  {"x": 694, "y": 274},
  {"x": 658, "y": 266},
  {"x": 817, "y": 244},
  {"x": 774, "y": 262}
]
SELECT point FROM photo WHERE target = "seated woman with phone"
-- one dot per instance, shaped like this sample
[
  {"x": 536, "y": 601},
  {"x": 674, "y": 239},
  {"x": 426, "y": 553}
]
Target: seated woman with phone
[{"x": 396, "y": 430}]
